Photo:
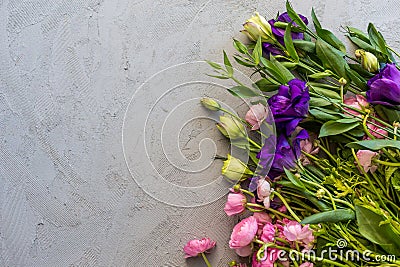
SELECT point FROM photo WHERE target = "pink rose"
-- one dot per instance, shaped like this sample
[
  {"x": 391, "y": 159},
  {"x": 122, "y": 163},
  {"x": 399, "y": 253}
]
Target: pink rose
[
  {"x": 358, "y": 102},
  {"x": 365, "y": 159},
  {"x": 235, "y": 204},
  {"x": 268, "y": 233},
  {"x": 242, "y": 235},
  {"x": 307, "y": 264},
  {"x": 256, "y": 115},
  {"x": 264, "y": 191},
  {"x": 196, "y": 246},
  {"x": 293, "y": 231}
]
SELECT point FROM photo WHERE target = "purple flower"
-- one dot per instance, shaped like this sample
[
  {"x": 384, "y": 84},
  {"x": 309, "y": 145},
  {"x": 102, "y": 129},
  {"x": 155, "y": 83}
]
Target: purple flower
[
  {"x": 284, "y": 17},
  {"x": 280, "y": 33},
  {"x": 384, "y": 87},
  {"x": 290, "y": 105},
  {"x": 285, "y": 156}
]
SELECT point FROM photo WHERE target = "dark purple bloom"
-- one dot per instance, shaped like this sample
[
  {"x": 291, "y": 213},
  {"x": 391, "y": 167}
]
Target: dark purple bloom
[
  {"x": 290, "y": 105},
  {"x": 280, "y": 33},
  {"x": 384, "y": 87},
  {"x": 285, "y": 155}
]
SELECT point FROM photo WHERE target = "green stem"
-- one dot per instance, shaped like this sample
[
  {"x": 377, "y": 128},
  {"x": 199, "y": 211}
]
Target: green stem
[
  {"x": 287, "y": 206},
  {"x": 205, "y": 259},
  {"x": 391, "y": 164}
]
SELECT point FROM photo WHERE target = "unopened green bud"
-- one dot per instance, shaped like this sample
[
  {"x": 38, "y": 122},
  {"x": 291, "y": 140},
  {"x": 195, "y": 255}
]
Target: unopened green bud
[
  {"x": 231, "y": 127},
  {"x": 369, "y": 61},
  {"x": 210, "y": 103},
  {"x": 234, "y": 169},
  {"x": 257, "y": 26},
  {"x": 342, "y": 81}
]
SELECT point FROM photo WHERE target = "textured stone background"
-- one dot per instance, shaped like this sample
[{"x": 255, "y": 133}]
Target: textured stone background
[{"x": 67, "y": 74}]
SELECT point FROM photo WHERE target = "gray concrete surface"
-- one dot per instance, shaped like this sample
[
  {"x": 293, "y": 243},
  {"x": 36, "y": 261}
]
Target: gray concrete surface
[{"x": 68, "y": 72}]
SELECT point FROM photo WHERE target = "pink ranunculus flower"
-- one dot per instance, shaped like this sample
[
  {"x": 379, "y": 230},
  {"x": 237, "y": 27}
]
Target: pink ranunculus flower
[
  {"x": 262, "y": 217},
  {"x": 358, "y": 102},
  {"x": 307, "y": 264},
  {"x": 196, "y": 246},
  {"x": 242, "y": 236},
  {"x": 256, "y": 115},
  {"x": 293, "y": 231},
  {"x": 271, "y": 255},
  {"x": 235, "y": 204},
  {"x": 264, "y": 191},
  {"x": 268, "y": 233},
  {"x": 365, "y": 159}
]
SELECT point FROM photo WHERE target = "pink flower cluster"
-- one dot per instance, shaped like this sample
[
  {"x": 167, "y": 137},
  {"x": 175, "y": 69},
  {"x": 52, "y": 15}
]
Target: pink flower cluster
[{"x": 260, "y": 227}]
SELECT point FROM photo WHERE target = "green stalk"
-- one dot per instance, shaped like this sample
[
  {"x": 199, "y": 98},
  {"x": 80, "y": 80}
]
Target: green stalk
[{"x": 205, "y": 259}]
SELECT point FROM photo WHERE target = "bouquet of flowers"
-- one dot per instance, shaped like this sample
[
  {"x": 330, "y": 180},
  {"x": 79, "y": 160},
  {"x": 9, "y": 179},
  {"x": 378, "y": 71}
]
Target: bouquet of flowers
[{"x": 325, "y": 190}]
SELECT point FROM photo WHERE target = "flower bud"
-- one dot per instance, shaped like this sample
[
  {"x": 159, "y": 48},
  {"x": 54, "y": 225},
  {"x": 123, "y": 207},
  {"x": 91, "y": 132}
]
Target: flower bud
[
  {"x": 210, "y": 104},
  {"x": 231, "y": 127},
  {"x": 234, "y": 169},
  {"x": 368, "y": 60},
  {"x": 257, "y": 26}
]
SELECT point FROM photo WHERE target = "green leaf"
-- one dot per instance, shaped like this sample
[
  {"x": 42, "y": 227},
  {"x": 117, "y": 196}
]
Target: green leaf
[
  {"x": 289, "y": 43},
  {"x": 331, "y": 58},
  {"x": 273, "y": 70},
  {"x": 285, "y": 73},
  {"x": 318, "y": 102},
  {"x": 319, "y": 75},
  {"x": 228, "y": 65},
  {"x": 389, "y": 170},
  {"x": 244, "y": 63},
  {"x": 323, "y": 116},
  {"x": 294, "y": 16},
  {"x": 339, "y": 215},
  {"x": 389, "y": 114},
  {"x": 361, "y": 44},
  {"x": 239, "y": 46},
  {"x": 266, "y": 86},
  {"x": 326, "y": 92},
  {"x": 305, "y": 45},
  {"x": 371, "y": 227},
  {"x": 214, "y": 65},
  {"x": 257, "y": 51},
  {"x": 218, "y": 76},
  {"x": 376, "y": 39},
  {"x": 331, "y": 39},
  {"x": 335, "y": 128},
  {"x": 317, "y": 24},
  {"x": 348, "y": 120},
  {"x": 242, "y": 91},
  {"x": 357, "y": 79},
  {"x": 354, "y": 32},
  {"x": 295, "y": 181},
  {"x": 375, "y": 145},
  {"x": 360, "y": 70}
]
